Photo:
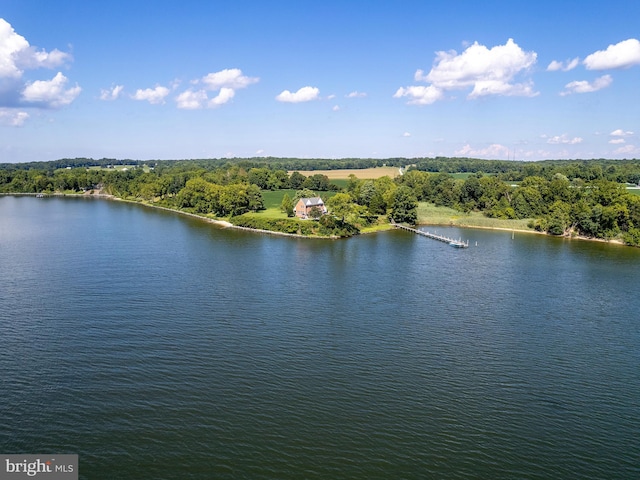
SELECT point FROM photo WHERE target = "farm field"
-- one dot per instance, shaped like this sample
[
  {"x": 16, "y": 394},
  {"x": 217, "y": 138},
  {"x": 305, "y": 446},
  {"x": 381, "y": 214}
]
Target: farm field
[{"x": 361, "y": 173}]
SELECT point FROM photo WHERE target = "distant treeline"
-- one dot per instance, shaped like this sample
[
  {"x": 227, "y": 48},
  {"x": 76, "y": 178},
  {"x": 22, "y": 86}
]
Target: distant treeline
[
  {"x": 274, "y": 163},
  {"x": 594, "y": 169}
]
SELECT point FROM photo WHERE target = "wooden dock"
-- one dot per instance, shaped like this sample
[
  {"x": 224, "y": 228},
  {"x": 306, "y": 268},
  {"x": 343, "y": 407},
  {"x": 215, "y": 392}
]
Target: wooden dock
[{"x": 441, "y": 238}]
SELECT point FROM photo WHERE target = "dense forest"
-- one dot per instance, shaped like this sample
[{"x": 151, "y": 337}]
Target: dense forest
[{"x": 560, "y": 197}]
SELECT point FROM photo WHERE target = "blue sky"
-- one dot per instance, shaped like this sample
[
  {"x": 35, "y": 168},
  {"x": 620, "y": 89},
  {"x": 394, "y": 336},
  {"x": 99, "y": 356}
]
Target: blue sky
[{"x": 331, "y": 79}]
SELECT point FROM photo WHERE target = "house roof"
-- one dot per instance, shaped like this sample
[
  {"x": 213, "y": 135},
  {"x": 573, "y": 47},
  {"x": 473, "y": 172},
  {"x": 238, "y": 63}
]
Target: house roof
[{"x": 312, "y": 201}]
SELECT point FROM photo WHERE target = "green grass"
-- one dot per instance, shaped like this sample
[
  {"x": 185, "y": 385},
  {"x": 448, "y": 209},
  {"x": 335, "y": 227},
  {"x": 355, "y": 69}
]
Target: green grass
[
  {"x": 273, "y": 200},
  {"x": 462, "y": 175},
  {"x": 429, "y": 214},
  {"x": 341, "y": 182},
  {"x": 634, "y": 191},
  {"x": 378, "y": 227}
]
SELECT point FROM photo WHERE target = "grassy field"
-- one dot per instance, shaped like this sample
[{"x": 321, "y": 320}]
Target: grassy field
[
  {"x": 462, "y": 175},
  {"x": 362, "y": 174},
  {"x": 429, "y": 214},
  {"x": 273, "y": 200}
]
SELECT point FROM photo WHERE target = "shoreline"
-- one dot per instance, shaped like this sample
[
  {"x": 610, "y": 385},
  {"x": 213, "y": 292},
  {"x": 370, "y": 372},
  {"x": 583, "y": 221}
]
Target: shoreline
[
  {"x": 215, "y": 221},
  {"x": 227, "y": 224},
  {"x": 534, "y": 232}
]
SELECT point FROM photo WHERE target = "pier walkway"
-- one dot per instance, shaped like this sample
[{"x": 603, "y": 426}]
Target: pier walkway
[{"x": 441, "y": 238}]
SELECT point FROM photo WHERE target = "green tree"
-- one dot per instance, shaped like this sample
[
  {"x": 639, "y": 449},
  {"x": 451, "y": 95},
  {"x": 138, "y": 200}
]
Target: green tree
[
  {"x": 470, "y": 193},
  {"x": 254, "y": 198},
  {"x": 279, "y": 180},
  {"x": 366, "y": 192},
  {"x": 377, "y": 205},
  {"x": 317, "y": 182},
  {"x": 527, "y": 202},
  {"x": 260, "y": 177},
  {"x": 404, "y": 206},
  {"x": 632, "y": 237},
  {"x": 342, "y": 206},
  {"x": 558, "y": 218},
  {"x": 296, "y": 180},
  {"x": 287, "y": 205},
  {"x": 315, "y": 213}
]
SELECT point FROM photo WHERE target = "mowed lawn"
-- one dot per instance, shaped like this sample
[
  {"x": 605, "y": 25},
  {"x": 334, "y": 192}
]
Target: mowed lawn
[{"x": 273, "y": 200}]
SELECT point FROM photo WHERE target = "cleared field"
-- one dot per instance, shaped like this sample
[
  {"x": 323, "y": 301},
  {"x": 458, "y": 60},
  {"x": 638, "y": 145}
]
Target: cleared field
[
  {"x": 273, "y": 200},
  {"x": 429, "y": 214},
  {"x": 361, "y": 173}
]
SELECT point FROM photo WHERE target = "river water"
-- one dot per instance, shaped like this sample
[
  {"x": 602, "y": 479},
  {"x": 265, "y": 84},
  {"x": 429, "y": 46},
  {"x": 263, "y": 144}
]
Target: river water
[{"x": 155, "y": 345}]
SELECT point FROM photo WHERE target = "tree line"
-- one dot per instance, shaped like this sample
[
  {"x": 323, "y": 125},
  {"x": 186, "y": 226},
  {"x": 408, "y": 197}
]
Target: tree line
[
  {"x": 509, "y": 170},
  {"x": 561, "y": 198},
  {"x": 598, "y": 208}
]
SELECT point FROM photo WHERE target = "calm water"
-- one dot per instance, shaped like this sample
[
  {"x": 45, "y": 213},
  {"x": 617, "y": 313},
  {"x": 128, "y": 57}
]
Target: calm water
[{"x": 159, "y": 346}]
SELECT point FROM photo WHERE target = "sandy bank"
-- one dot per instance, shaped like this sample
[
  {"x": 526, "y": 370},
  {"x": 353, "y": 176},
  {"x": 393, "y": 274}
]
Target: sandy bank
[{"x": 530, "y": 231}]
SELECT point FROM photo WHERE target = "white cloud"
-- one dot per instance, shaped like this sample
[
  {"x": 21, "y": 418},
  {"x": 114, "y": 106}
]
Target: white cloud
[
  {"x": 229, "y": 78},
  {"x": 555, "y": 65},
  {"x": 226, "y": 81},
  {"x": 564, "y": 139},
  {"x": 498, "y": 87},
  {"x": 16, "y": 57},
  {"x": 336, "y": 108},
  {"x": 191, "y": 100},
  {"x": 488, "y": 71},
  {"x": 225, "y": 95},
  {"x": 627, "y": 149},
  {"x": 615, "y": 141},
  {"x": 152, "y": 95},
  {"x": 420, "y": 95},
  {"x": 356, "y": 94},
  {"x": 305, "y": 94},
  {"x": 620, "y": 133},
  {"x": 112, "y": 93},
  {"x": 476, "y": 64},
  {"x": 12, "y": 117},
  {"x": 50, "y": 93},
  {"x": 492, "y": 151},
  {"x": 11, "y": 44},
  {"x": 583, "y": 86},
  {"x": 621, "y": 55},
  {"x": 16, "y": 54},
  {"x": 406, "y": 134}
]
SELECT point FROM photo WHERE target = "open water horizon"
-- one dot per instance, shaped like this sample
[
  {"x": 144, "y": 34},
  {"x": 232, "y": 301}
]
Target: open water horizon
[{"x": 154, "y": 345}]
